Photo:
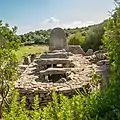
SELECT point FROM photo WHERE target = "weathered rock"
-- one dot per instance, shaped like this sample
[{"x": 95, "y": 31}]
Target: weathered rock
[
  {"x": 97, "y": 56},
  {"x": 72, "y": 65},
  {"x": 89, "y": 52},
  {"x": 32, "y": 57},
  {"x": 52, "y": 71},
  {"x": 103, "y": 69},
  {"x": 102, "y": 62},
  {"x": 70, "y": 54},
  {"x": 51, "y": 61},
  {"x": 56, "y": 51},
  {"x": 22, "y": 68},
  {"x": 26, "y": 60},
  {"x": 55, "y": 55},
  {"x": 99, "y": 51},
  {"x": 76, "y": 49},
  {"x": 58, "y": 40},
  {"x": 61, "y": 80}
]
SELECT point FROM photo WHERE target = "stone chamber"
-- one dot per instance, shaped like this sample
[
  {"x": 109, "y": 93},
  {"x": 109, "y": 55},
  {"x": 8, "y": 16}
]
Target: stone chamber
[{"x": 63, "y": 69}]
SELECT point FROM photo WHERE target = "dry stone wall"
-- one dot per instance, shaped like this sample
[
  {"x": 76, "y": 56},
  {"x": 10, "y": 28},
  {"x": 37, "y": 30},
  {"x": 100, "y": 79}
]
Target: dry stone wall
[
  {"x": 44, "y": 75},
  {"x": 46, "y": 96},
  {"x": 78, "y": 77}
]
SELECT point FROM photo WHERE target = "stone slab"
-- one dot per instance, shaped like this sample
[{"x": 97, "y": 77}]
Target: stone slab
[
  {"x": 54, "y": 71},
  {"x": 58, "y": 40},
  {"x": 76, "y": 49},
  {"x": 55, "y": 55},
  {"x": 50, "y": 61}
]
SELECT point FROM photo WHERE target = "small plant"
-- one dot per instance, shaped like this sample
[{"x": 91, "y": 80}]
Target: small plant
[{"x": 95, "y": 79}]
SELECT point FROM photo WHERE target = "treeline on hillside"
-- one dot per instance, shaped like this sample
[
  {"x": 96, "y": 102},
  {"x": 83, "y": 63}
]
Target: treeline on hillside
[
  {"x": 90, "y": 36},
  {"x": 37, "y": 37}
]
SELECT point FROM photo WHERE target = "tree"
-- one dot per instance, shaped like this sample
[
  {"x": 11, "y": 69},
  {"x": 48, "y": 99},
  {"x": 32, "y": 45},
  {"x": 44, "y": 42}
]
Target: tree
[
  {"x": 8, "y": 62},
  {"x": 93, "y": 37}
]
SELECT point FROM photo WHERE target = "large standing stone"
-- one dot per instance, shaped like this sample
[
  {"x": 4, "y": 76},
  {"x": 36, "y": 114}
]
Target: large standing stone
[{"x": 58, "y": 40}]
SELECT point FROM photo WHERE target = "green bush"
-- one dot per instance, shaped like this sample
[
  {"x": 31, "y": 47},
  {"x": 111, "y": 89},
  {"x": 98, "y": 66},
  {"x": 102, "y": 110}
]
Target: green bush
[
  {"x": 8, "y": 62},
  {"x": 76, "y": 39},
  {"x": 93, "y": 37}
]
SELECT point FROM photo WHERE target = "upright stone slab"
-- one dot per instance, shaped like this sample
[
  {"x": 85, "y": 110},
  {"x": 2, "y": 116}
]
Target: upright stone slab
[{"x": 58, "y": 40}]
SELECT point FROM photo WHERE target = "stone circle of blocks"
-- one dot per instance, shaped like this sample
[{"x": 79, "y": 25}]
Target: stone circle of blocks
[{"x": 58, "y": 69}]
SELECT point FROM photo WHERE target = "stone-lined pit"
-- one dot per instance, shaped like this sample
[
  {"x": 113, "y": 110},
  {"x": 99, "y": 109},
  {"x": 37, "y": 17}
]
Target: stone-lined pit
[
  {"x": 78, "y": 77},
  {"x": 58, "y": 70}
]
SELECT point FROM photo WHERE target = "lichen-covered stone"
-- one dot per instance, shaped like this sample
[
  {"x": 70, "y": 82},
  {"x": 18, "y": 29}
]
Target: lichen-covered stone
[{"x": 58, "y": 40}]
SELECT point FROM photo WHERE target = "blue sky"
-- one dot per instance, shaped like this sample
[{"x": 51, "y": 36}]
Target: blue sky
[{"x": 31, "y": 15}]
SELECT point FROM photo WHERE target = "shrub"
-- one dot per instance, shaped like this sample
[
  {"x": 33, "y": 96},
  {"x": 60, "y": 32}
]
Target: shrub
[
  {"x": 8, "y": 63},
  {"x": 93, "y": 38},
  {"x": 76, "y": 39}
]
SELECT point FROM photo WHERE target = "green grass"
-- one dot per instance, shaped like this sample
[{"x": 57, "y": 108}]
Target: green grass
[{"x": 26, "y": 50}]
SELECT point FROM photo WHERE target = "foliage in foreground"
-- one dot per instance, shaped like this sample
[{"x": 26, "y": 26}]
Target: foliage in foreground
[
  {"x": 76, "y": 108},
  {"x": 8, "y": 62}
]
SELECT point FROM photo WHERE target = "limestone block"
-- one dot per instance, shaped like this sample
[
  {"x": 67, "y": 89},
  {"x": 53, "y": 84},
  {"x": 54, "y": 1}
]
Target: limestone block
[{"x": 89, "y": 52}]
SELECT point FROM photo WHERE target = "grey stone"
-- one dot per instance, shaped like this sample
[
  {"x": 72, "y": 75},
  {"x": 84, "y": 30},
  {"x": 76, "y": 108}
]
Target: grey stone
[
  {"x": 76, "y": 49},
  {"x": 102, "y": 62},
  {"x": 32, "y": 57},
  {"x": 61, "y": 80},
  {"x": 56, "y": 51},
  {"x": 99, "y": 51},
  {"x": 55, "y": 55},
  {"x": 54, "y": 71},
  {"x": 26, "y": 60},
  {"x": 22, "y": 68},
  {"x": 58, "y": 40},
  {"x": 52, "y": 61},
  {"x": 89, "y": 52}
]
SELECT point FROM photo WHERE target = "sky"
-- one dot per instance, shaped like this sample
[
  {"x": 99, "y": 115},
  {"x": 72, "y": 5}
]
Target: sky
[{"x": 31, "y": 15}]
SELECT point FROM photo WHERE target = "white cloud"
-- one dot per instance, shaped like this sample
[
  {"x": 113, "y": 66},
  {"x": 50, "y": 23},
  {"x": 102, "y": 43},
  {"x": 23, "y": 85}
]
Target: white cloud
[
  {"x": 51, "y": 20},
  {"x": 52, "y": 23},
  {"x": 71, "y": 24},
  {"x": 79, "y": 24}
]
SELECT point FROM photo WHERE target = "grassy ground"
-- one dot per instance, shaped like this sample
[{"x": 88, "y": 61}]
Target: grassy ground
[{"x": 26, "y": 50}]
